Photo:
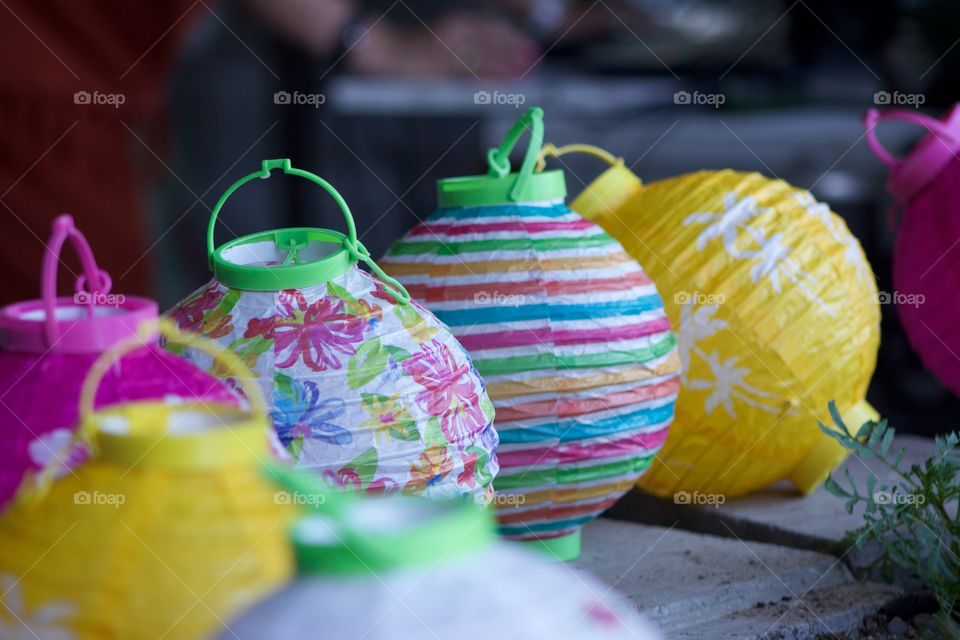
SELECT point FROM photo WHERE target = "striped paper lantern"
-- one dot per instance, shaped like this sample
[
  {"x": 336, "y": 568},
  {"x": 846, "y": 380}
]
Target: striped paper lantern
[
  {"x": 925, "y": 260},
  {"x": 567, "y": 330},
  {"x": 776, "y": 313}
]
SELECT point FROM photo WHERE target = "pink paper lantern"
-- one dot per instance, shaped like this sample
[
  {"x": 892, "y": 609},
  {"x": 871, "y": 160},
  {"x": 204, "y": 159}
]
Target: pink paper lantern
[
  {"x": 48, "y": 345},
  {"x": 926, "y": 257}
]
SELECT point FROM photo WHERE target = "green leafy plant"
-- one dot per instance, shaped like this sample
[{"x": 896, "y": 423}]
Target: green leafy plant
[{"x": 914, "y": 520}]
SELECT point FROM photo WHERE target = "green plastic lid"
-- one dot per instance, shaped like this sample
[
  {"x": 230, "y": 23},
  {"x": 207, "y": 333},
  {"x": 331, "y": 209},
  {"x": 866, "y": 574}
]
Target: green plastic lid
[
  {"x": 290, "y": 258},
  {"x": 344, "y": 534},
  {"x": 500, "y": 186},
  {"x": 375, "y": 535}
]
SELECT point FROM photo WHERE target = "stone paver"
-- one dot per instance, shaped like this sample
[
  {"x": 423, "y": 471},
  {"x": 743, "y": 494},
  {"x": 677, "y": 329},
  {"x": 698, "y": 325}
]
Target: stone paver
[
  {"x": 824, "y": 611},
  {"x": 778, "y": 514},
  {"x": 691, "y": 585}
]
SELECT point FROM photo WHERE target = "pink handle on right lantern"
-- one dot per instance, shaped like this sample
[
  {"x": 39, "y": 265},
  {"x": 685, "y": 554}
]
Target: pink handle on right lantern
[
  {"x": 875, "y": 117},
  {"x": 912, "y": 173},
  {"x": 98, "y": 281}
]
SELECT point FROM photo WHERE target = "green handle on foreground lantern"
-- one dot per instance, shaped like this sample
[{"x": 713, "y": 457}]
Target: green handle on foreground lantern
[
  {"x": 499, "y": 157},
  {"x": 352, "y": 250}
]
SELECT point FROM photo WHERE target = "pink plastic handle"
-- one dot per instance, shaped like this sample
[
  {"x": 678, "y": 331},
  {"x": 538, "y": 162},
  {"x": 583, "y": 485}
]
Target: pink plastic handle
[
  {"x": 99, "y": 281},
  {"x": 875, "y": 117}
]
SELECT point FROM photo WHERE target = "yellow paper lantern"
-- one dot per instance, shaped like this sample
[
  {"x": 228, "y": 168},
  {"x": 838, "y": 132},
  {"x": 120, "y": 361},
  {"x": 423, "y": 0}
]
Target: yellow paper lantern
[
  {"x": 169, "y": 529},
  {"x": 776, "y": 312}
]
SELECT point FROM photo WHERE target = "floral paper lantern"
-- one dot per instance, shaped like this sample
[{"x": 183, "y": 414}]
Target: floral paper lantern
[
  {"x": 428, "y": 570},
  {"x": 925, "y": 264},
  {"x": 365, "y": 386},
  {"x": 776, "y": 313},
  {"x": 566, "y": 328},
  {"x": 170, "y": 527},
  {"x": 48, "y": 345}
]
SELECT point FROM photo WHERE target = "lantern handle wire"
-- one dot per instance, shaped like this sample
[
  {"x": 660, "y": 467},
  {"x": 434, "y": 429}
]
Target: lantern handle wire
[
  {"x": 97, "y": 280},
  {"x": 353, "y": 246},
  {"x": 874, "y": 117},
  {"x": 498, "y": 158},
  {"x": 37, "y": 485},
  {"x": 550, "y": 150}
]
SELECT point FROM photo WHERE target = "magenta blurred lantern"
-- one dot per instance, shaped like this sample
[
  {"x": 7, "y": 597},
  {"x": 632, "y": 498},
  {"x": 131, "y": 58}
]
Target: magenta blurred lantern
[
  {"x": 48, "y": 345},
  {"x": 926, "y": 258}
]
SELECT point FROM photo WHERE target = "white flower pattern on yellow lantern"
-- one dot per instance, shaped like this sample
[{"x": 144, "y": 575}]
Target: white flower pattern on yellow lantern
[
  {"x": 696, "y": 323},
  {"x": 16, "y": 623},
  {"x": 728, "y": 383},
  {"x": 851, "y": 248},
  {"x": 726, "y": 225},
  {"x": 772, "y": 254}
]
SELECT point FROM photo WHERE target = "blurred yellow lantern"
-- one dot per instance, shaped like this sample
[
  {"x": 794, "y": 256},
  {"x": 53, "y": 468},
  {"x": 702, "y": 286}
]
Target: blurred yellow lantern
[
  {"x": 776, "y": 312},
  {"x": 168, "y": 529}
]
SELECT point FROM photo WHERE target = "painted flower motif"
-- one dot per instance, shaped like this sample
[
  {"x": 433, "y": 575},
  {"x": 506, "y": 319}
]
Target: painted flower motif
[
  {"x": 197, "y": 313},
  {"x": 383, "y": 487},
  {"x": 392, "y": 372},
  {"x": 389, "y": 418},
  {"x": 411, "y": 315},
  {"x": 346, "y": 478},
  {"x": 467, "y": 477},
  {"x": 47, "y": 621},
  {"x": 431, "y": 467},
  {"x": 729, "y": 382},
  {"x": 318, "y": 332},
  {"x": 349, "y": 479},
  {"x": 696, "y": 323},
  {"x": 378, "y": 291},
  {"x": 301, "y": 415},
  {"x": 449, "y": 390}
]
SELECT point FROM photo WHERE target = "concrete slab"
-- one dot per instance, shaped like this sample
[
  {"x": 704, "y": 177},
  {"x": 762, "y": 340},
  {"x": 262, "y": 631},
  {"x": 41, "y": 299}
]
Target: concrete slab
[
  {"x": 777, "y": 514},
  {"x": 687, "y": 583},
  {"x": 821, "y": 614}
]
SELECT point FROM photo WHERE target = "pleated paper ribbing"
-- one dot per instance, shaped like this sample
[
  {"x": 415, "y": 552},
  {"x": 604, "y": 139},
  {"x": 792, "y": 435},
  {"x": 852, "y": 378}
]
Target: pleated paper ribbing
[{"x": 572, "y": 340}]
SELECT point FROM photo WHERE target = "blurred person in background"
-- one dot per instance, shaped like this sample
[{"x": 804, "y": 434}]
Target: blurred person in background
[{"x": 84, "y": 92}]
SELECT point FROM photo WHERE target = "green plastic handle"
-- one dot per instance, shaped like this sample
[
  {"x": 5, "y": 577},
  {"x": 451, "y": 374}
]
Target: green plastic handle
[
  {"x": 266, "y": 167},
  {"x": 355, "y": 248},
  {"x": 499, "y": 157}
]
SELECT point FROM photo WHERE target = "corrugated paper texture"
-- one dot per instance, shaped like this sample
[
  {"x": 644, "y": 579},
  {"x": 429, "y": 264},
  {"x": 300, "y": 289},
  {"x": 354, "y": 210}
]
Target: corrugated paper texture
[
  {"x": 374, "y": 395},
  {"x": 572, "y": 339}
]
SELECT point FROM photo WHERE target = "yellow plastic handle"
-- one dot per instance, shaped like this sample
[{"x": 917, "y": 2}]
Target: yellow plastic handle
[
  {"x": 169, "y": 330},
  {"x": 37, "y": 485},
  {"x": 552, "y": 151}
]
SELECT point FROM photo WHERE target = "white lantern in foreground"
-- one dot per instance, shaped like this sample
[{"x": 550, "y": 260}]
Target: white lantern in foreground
[{"x": 408, "y": 568}]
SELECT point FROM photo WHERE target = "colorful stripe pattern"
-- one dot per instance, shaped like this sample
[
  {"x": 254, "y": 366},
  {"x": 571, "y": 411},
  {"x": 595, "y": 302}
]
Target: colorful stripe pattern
[{"x": 572, "y": 339}]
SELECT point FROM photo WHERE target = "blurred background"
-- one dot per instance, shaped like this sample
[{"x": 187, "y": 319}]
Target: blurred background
[{"x": 137, "y": 118}]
